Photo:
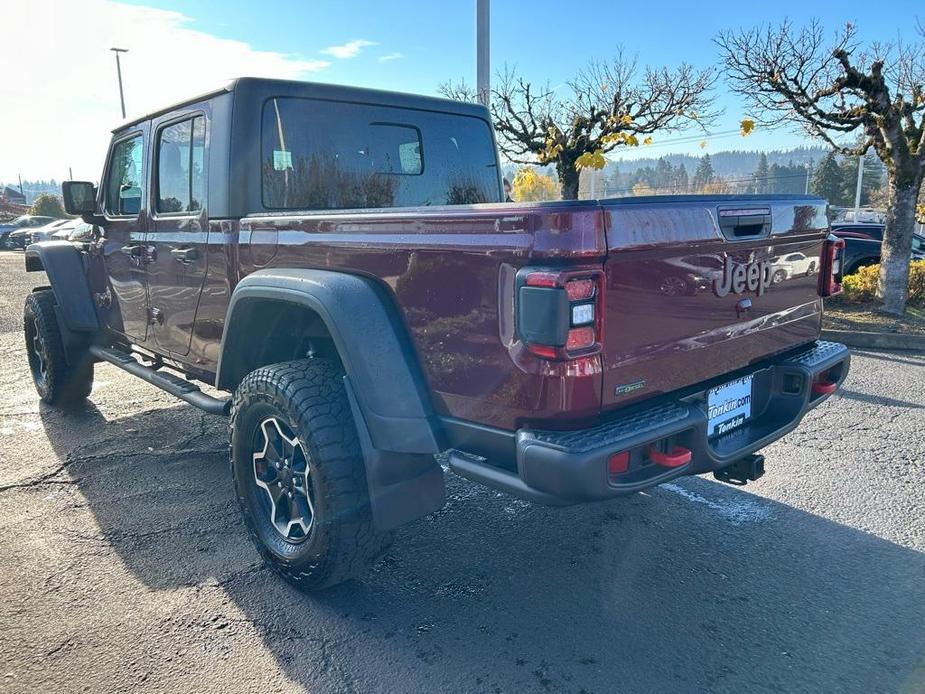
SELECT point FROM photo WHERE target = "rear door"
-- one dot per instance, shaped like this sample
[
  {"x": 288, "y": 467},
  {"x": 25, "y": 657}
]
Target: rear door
[
  {"x": 678, "y": 308},
  {"x": 124, "y": 228},
  {"x": 179, "y": 233}
]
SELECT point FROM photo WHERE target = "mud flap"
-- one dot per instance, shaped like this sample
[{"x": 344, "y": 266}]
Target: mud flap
[{"x": 402, "y": 486}]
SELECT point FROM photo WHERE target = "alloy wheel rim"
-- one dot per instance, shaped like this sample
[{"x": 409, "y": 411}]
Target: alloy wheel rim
[
  {"x": 40, "y": 367},
  {"x": 282, "y": 471}
]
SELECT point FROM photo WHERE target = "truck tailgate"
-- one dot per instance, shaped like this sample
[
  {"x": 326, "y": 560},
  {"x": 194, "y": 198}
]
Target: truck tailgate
[{"x": 679, "y": 310}]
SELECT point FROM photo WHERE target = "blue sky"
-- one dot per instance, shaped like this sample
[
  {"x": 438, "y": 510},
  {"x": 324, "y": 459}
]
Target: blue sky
[
  {"x": 545, "y": 39},
  {"x": 181, "y": 48}
]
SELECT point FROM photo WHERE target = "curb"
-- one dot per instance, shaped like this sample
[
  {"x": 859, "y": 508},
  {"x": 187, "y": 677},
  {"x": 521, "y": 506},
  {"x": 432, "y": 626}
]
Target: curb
[{"x": 858, "y": 338}]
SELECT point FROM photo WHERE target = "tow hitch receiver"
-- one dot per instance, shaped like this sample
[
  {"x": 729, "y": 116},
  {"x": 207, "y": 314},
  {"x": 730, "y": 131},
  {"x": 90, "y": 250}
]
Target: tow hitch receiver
[{"x": 748, "y": 469}]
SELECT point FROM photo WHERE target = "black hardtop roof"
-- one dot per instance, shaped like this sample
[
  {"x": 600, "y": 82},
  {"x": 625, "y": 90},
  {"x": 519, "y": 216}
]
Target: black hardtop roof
[{"x": 262, "y": 88}]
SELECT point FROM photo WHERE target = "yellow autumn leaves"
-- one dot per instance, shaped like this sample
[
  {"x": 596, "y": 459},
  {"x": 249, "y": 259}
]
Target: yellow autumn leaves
[
  {"x": 591, "y": 160},
  {"x": 553, "y": 146},
  {"x": 596, "y": 159},
  {"x": 529, "y": 185}
]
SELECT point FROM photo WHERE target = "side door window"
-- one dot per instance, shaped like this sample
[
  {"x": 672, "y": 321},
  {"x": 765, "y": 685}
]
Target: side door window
[
  {"x": 124, "y": 180},
  {"x": 180, "y": 175}
]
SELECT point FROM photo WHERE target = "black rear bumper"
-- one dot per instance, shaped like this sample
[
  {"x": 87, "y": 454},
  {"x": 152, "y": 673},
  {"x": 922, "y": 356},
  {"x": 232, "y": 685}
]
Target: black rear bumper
[{"x": 563, "y": 467}]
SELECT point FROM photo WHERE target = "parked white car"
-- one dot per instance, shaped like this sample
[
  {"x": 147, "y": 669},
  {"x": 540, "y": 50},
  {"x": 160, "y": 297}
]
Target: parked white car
[
  {"x": 791, "y": 265},
  {"x": 46, "y": 232}
]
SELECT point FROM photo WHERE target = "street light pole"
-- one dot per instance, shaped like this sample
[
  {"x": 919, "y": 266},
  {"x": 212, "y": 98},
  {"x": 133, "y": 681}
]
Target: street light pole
[
  {"x": 482, "y": 52},
  {"x": 117, "y": 51},
  {"x": 857, "y": 191}
]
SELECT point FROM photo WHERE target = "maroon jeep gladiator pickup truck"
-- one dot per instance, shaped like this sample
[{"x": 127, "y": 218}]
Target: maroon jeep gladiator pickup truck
[{"x": 340, "y": 260}]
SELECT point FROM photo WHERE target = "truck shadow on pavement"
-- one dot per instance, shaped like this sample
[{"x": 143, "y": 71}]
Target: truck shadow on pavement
[
  {"x": 692, "y": 586},
  {"x": 896, "y": 357},
  {"x": 878, "y": 399}
]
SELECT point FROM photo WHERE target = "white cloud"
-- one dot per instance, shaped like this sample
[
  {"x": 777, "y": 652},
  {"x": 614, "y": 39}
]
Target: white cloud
[
  {"x": 59, "y": 110},
  {"x": 351, "y": 49},
  {"x": 390, "y": 56}
]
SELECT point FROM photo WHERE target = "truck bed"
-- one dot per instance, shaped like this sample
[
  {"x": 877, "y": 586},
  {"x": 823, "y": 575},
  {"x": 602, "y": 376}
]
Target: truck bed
[{"x": 451, "y": 273}]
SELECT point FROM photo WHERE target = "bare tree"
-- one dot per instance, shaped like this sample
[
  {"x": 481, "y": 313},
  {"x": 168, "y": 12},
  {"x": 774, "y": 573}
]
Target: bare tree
[
  {"x": 854, "y": 98},
  {"x": 606, "y": 105}
]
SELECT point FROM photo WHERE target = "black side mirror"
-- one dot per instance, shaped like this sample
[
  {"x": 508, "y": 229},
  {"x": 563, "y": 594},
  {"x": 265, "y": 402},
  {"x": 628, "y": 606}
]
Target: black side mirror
[{"x": 80, "y": 199}]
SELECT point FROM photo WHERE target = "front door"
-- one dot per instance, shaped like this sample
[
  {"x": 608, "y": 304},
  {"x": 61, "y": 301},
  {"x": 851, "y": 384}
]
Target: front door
[
  {"x": 123, "y": 239},
  {"x": 179, "y": 232}
]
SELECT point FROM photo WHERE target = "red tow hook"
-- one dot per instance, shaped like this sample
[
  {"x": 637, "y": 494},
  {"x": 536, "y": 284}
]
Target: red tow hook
[
  {"x": 823, "y": 387},
  {"x": 679, "y": 456}
]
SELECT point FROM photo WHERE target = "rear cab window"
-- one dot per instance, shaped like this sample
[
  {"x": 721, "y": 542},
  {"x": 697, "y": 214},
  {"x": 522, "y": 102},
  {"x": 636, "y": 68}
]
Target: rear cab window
[
  {"x": 180, "y": 175},
  {"x": 321, "y": 155},
  {"x": 124, "y": 177}
]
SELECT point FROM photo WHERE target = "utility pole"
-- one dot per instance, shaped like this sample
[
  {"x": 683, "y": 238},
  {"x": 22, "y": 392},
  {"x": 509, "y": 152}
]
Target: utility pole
[
  {"x": 857, "y": 191},
  {"x": 70, "y": 174},
  {"x": 117, "y": 51},
  {"x": 482, "y": 52},
  {"x": 809, "y": 168}
]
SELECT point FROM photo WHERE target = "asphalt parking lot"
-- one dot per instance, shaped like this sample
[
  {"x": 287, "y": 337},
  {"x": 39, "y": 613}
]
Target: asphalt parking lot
[{"x": 125, "y": 565}]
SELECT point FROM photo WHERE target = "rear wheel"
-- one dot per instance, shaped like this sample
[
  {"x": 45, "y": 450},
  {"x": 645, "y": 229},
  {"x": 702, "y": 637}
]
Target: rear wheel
[
  {"x": 299, "y": 474},
  {"x": 57, "y": 381},
  {"x": 778, "y": 277}
]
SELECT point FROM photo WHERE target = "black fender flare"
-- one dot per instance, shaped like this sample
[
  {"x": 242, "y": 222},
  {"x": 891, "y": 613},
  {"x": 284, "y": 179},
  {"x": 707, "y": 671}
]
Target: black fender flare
[
  {"x": 398, "y": 429},
  {"x": 75, "y": 308}
]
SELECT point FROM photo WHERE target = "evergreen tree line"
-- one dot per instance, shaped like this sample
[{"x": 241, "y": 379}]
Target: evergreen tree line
[
  {"x": 834, "y": 178},
  {"x": 32, "y": 189},
  {"x": 665, "y": 178}
]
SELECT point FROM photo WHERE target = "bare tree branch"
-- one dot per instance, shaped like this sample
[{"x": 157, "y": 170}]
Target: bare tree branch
[
  {"x": 605, "y": 106},
  {"x": 850, "y": 97}
]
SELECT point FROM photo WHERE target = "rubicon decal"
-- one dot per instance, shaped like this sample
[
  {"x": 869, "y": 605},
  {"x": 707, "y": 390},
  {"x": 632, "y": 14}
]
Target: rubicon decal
[{"x": 739, "y": 277}]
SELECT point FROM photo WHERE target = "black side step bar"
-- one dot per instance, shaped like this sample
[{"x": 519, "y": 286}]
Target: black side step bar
[{"x": 174, "y": 385}]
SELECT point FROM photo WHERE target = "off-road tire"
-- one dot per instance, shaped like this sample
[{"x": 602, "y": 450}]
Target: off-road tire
[
  {"x": 56, "y": 381},
  {"x": 308, "y": 397}
]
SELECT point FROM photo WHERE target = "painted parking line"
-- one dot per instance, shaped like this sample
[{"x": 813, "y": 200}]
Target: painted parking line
[{"x": 736, "y": 511}]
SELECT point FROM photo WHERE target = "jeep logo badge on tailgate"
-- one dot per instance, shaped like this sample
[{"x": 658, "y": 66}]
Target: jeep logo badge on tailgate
[{"x": 737, "y": 277}]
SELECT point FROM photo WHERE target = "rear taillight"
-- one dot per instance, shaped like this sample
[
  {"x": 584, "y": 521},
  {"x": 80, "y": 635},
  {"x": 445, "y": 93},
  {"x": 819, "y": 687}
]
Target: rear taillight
[
  {"x": 560, "y": 313},
  {"x": 831, "y": 265}
]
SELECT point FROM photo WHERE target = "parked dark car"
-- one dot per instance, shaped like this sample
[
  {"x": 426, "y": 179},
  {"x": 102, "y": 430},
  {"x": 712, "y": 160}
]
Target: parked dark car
[
  {"x": 868, "y": 229},
  {"x": 342, "y": 260},
  {"x": 863, "y": 245},
  {"x": 25, "y": 222}
]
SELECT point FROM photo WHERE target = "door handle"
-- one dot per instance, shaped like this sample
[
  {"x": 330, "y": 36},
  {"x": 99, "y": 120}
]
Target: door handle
[{"x": 184, "y": 255}]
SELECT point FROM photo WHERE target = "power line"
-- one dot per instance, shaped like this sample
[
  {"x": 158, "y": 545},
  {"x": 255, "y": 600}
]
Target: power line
[{"x": 688, "y": 139}]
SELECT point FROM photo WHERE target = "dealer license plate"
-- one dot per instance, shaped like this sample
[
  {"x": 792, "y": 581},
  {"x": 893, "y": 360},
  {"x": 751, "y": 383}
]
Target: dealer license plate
[{"x": 729, "y": 406}]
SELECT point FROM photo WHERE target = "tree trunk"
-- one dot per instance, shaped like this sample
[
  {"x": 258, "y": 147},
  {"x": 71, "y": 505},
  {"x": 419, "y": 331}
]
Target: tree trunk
[
  {"x": 568, "y": 179},
  {"x": 893, "y": 283}
]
